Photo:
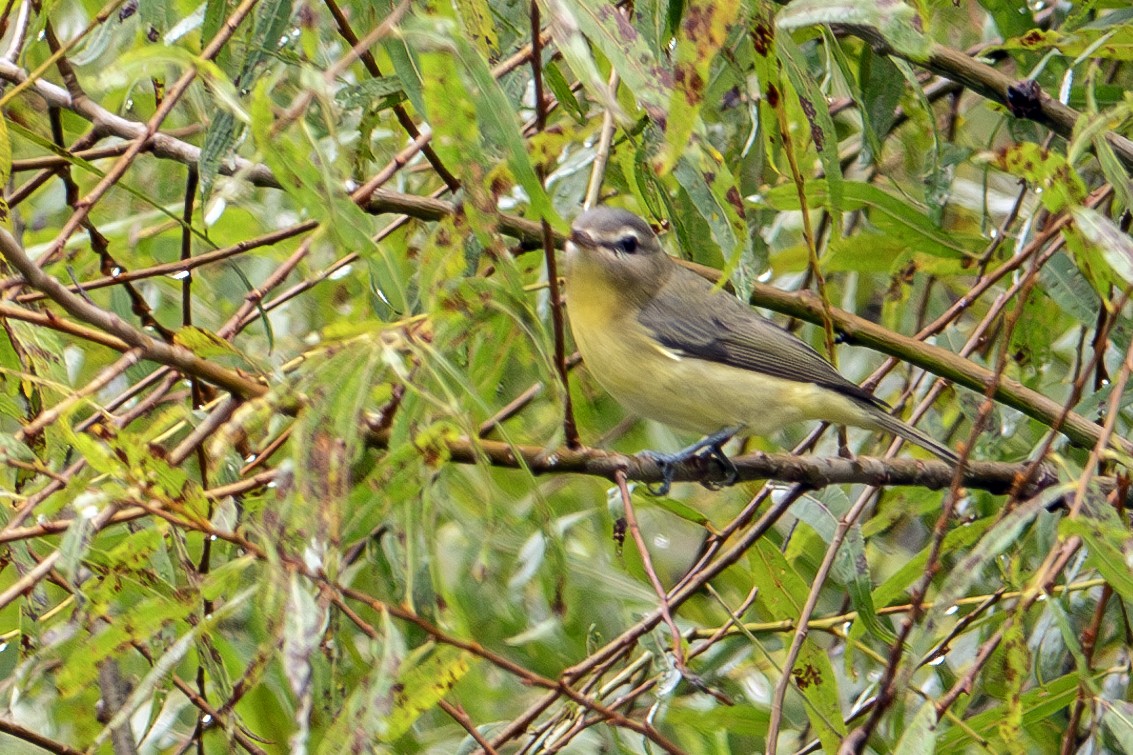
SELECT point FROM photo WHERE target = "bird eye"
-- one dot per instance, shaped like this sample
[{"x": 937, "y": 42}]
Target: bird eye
[{"x": 626, "y": 245}]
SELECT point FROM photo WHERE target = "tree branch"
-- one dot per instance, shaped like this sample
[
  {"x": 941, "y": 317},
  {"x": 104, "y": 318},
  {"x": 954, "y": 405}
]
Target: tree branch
[
  {"x": 991, "y": 84},
  {"x": 171, "y": 355},
  {"x": 811, "y": 471}
]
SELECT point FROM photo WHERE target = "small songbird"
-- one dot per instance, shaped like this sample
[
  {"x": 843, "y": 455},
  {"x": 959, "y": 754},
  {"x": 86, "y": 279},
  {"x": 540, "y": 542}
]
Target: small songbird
[{"x": 672, "y": 347}]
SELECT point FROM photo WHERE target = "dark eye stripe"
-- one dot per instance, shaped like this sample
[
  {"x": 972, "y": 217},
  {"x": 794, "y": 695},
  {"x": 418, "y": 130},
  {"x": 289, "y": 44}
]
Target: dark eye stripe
[{"x": 626, "y": 245}]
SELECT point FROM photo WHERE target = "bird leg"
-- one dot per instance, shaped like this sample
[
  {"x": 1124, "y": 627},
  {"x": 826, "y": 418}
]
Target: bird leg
[{"x": 713, "y": 446}]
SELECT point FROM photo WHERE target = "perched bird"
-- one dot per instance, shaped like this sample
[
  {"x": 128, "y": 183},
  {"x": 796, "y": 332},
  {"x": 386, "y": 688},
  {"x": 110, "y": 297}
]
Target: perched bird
[{"x": 672, "y": 347}]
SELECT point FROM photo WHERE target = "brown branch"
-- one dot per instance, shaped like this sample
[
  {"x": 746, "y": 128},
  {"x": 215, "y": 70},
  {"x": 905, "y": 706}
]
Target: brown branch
[
  {"x": 159, "y": 509},
  {"x": 399, "y": 110},
  {"x": 176, "y": 267},
  {"x": 812, "y": 471},
  {"x": 170, "y": 355},
  {"x": 54, "y": 322},
  {"x": 936, "y": 360},
  {"x": 142, "y": 140},
  {"x": 651, "y": 573},
  {"x": 989, "y": 83},
  {"x": 133, "y": 513},
  {"x": 13, "y": 729}
]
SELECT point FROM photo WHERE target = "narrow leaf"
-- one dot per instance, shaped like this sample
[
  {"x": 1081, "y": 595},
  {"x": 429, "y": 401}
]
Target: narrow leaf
[
  {"x": 899, "y": 24},
  {"x": 782, "y": 595}
]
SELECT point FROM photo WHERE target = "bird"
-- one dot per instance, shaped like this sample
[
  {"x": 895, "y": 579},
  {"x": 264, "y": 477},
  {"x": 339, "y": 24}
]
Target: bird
[{"x": 672, "y": 347}]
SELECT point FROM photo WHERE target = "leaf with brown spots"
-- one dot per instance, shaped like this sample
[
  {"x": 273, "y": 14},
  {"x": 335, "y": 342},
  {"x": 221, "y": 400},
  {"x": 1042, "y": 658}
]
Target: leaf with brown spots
[
  {"x": 806, "y": 675},
  {"x": 822, "y": 132},
  {"x": 1060, "y": 185},
  {"x": 608, "y": 29},
  {"x": 476, "y": 20},
  {"x": 711, "y": 188},
  {"x": 703, "y": 32},
  {"x": 1107, "y": 42},
  {"x": 5, "y": 172},
  {"x": 1016, "y": 660},
  {"x": 421, "y": 686},
  {"x": 782, "y": 595}
]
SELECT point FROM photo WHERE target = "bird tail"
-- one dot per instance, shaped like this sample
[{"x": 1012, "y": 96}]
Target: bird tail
[{"x": 891, "y": 424}]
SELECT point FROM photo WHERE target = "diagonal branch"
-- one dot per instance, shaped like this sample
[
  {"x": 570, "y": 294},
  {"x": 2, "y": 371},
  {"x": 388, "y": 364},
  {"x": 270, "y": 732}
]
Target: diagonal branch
[
  {"x": 174, "y": 356},
  {"x": 1022, "y": 99}
]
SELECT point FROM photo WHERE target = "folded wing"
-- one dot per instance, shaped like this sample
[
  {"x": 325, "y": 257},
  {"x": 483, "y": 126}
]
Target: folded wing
[{"x": 719, "y": 328}]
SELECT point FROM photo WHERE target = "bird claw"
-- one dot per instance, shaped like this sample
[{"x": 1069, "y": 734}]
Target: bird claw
[
  {"x": 731, "y": 474},
  {"x": 667, "y": 463},
  {"x": 708, "y": 449}
]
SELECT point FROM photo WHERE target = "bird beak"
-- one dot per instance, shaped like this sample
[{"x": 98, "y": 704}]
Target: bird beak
[{"x": 582, "y": 239}]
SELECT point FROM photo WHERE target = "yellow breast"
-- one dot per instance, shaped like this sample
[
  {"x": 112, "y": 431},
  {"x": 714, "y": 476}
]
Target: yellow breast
[{"x": 685, "y": 392}]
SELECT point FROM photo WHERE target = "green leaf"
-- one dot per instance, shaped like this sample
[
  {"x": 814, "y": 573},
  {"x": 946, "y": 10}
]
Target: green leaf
[
  {"x": 871, "y": 252},
  {"x": 900, "y": 25},
  {"x": 408, "y": 70},
  {"x": 1117, "y": 716},
  {"x": 655, "y": 20},
  {"x": 956, "y": 541},
  {"x": 850, "y": 566},
  {"x": 272, "y": 17},
  {"x": 782, "y": 595},
  {"x": 703, "y": 32},
  {"x": 220, "y": 138},
  {"x": 559, "y": 87},
  {"x": 1037, "y": 704},
  {"x": 881, "y": 86},
  {"x": 212, "y": 23},
  {"x": 225, "y": 579},
  {"x": 208, "y": 345},
  {"x": 1111, "y": 242},
  {"x": 919, "y": 738},
  {"x": 379, "y": 93},
  {"x": 1011, "y": 17},
  {"x": 422, "y": 685},
  {"x": 684, "y": 511},
  {"x": 1110, "y": 550},
  {"x": 888, "y": 213},
  {"x": 1069, "y": 289},
  {"x": 737, "y": 720},
  {"x": 94, "y": 453}
]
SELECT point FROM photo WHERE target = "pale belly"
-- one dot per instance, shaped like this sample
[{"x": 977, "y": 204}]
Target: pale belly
[{"x": 700, "y": 396}]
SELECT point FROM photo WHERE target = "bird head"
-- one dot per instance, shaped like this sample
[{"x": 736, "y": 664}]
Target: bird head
[{"x": 620, "y": 247}]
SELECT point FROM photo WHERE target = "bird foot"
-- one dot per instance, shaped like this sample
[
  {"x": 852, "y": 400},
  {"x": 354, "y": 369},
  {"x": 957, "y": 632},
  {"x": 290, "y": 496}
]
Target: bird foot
[{"x": 707, "y": 449}]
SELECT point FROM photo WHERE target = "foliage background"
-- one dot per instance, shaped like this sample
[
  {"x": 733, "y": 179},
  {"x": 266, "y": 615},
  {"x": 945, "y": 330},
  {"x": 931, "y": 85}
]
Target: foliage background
[{"x": 290, "y": 471}]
